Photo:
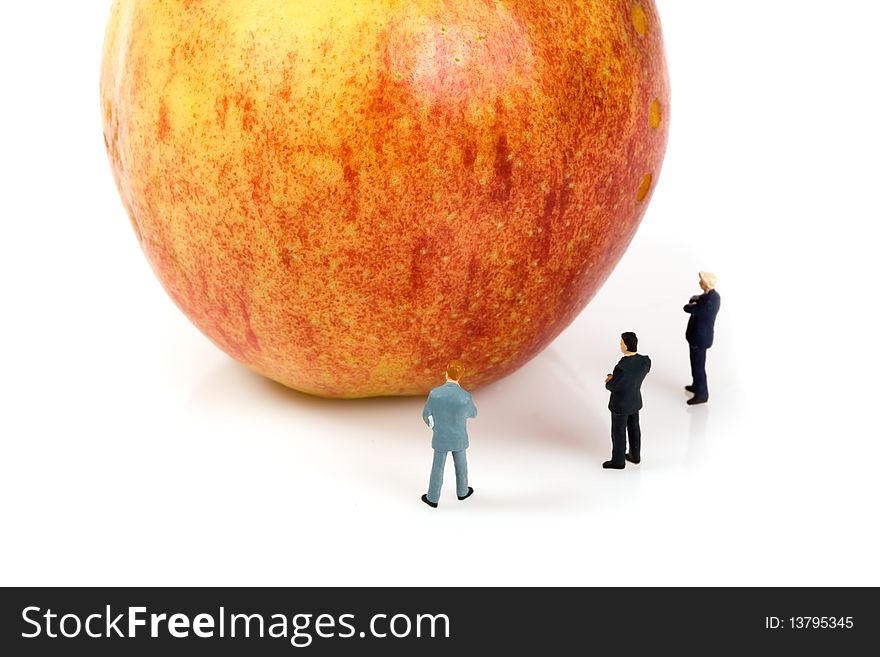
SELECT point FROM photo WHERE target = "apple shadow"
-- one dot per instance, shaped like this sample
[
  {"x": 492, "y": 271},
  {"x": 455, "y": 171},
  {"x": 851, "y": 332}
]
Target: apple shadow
[
  {"x": 542, "y": 408},
  {"x": 530, "y": 406}
]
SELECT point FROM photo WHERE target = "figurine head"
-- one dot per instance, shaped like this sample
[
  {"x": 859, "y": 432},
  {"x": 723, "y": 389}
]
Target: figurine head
[
  {"x": 707, "y": 281},
  {"x": 629, "y": 343},
  {"x": 454, "y": 371}
]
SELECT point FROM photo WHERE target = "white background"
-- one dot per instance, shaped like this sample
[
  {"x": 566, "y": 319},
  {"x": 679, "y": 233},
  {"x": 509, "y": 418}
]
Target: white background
[{"x": 133, "y": 452}]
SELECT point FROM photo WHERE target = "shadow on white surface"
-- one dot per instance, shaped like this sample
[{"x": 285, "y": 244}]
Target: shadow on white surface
[{"x": 519, "y": 413}]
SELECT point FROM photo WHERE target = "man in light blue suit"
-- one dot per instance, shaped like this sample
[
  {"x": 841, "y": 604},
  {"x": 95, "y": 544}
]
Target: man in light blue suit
[{"x": 446, "y": 412}]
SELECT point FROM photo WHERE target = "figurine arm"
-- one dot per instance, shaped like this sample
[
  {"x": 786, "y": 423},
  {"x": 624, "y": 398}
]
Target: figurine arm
[
  {"x": 472, "y": 410},
  {"x": 427, "y": 414},
  {"x": 696, "y": 304},
  {"x": 613, "y": 384}
]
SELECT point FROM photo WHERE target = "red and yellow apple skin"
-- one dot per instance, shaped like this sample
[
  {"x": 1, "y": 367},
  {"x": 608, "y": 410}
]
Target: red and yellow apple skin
[{"x": 343, "y": 195}]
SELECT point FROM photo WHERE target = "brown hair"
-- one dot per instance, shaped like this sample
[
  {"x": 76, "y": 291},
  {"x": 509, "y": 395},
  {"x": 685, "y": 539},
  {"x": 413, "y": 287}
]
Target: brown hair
[{"x": 455, "y": 370}]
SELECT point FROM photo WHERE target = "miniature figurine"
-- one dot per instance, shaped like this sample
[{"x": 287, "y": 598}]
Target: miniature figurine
[
  {"x": 625, "y": 384},
  {"x": 446, "y": 412},
  {"x": 700, "y": 334}
]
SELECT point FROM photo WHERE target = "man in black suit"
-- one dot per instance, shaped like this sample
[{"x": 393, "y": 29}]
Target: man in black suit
[
  {"x": 625, "y": 384},
  {"x": 700, "y": 334}
]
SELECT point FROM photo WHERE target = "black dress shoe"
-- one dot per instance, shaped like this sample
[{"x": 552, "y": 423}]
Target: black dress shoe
[
  {"x": 611, "y": 465},
  {"x": 694, "y": 400},
  {"x": 431, "y": 504},
  {"x": 631, "y": 459},
  {"x": 689, "y": 388},
  {"x": 468, "y": 494}
]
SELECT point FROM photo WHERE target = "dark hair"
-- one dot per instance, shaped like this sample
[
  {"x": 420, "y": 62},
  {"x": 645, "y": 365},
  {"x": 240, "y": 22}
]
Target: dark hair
[{"x": 631, "y": 341}]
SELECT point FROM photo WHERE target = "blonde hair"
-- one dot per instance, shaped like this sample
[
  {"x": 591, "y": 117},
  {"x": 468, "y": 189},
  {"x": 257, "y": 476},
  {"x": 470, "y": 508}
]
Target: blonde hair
[{"x": 708, "y": 279}]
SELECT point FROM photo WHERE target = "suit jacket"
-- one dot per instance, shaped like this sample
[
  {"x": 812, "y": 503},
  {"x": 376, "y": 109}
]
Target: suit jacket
[
  {"x": 701, "y": 326},
  {"x": 451, "y": 406},
  {"x": 626, "y": 384}
]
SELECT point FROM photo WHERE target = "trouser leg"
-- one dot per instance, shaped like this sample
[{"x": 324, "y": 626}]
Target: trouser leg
[
  {"x": 461, "y": 474},
  {"x": 698, "y": 368},
  {"x": 635, "y": 436},
  {"x": 436, "y": 482},
  {"x": 618, "y": 438}
]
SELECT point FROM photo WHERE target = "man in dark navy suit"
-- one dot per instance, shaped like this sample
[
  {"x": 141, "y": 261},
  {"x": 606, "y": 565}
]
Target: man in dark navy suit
[
  {"x": 700, "y": 334},
  {"x": 625, "y": 384}
]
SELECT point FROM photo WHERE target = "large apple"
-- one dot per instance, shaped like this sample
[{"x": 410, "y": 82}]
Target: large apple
[{"x": 346, "y": 194}]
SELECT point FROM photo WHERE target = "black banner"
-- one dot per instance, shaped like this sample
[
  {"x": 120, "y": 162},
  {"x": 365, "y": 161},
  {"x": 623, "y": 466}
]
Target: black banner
[{"x": 434, "y": 621}]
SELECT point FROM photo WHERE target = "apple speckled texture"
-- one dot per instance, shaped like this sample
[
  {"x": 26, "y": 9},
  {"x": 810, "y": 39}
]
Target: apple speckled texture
[{"x": 343, "y": 195}]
